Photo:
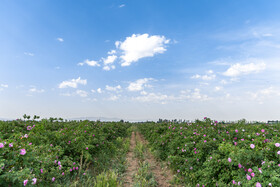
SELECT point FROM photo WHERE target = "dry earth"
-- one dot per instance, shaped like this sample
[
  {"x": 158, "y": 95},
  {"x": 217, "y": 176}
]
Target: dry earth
[
  {"x": 132, "y": 163},
  {"x": 163, "y": 175}
]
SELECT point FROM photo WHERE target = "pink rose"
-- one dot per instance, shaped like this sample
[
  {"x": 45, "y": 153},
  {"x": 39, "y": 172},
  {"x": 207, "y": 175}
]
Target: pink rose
[{"x": 22, "y": 152}]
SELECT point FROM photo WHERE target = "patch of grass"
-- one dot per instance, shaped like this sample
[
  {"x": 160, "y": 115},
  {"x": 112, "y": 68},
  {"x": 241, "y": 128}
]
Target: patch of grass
[
  {"x": 176, "y": 181},
  {"x": 144, "y": 177},
  {"x": 139, "y": 151},
  {"x": 105, "y": 179}
]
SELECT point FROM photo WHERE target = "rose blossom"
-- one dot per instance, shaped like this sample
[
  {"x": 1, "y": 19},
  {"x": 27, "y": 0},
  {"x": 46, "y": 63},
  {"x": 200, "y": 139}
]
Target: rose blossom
[{"x": 22, "y": 152}]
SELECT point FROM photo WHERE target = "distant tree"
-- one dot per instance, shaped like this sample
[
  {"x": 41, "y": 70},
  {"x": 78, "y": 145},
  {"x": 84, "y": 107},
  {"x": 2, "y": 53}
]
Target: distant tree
[
  {"x": 242, "y": 121},
  {"x": 24, "y": 116},
  {"x": 36, "y": 117}
]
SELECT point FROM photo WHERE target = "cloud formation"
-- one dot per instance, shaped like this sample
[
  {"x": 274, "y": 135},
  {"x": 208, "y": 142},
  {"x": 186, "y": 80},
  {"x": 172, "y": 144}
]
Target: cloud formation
[
  {"x": 81, "y": 93},
  {"x": 2, "y": 86},
  {"x": 89, "y": 62},
  {"x": 265, "y": 93},
  {"x": 60, "y": 39},
  {"x": 194, "y": 95},
  {"x": 35, "y": 90},
  {"x": 73, "y": 83},
  {"x": 152, "y": 97},
  {"x": 139, "y": 84},
  {"x": 207, "y": 77},
  {"x": 243, "y": 69},
  {"x": 113, "y": 98},
  {"x": 111, "y": 88},
  {"x": 108, "y": 62},
  {"x": 99, "y": 90},
  {"x": 139, "y": 46},
  {"x": 132, "y": 49}
]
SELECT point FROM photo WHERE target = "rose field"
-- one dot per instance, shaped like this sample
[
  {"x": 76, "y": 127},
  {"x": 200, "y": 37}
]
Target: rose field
[
  {"x": 57, "y": 152},
  {"x": 208, "y": 153},
  {"x": 52, "y": 152}
]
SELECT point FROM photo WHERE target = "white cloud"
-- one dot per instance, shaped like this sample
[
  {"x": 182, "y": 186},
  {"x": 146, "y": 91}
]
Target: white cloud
[
  {"x": 99, "y": 90},
  {"x": 243, "y": 69},
  {"x": 82, "y": 93},
  {"x": 143, "y": 93},
  {"x": 35, "y": 90},
  {"x": 73, "y": 83},
  {"x": 111, "y": 88},
  {"x": 110, "y": 59},
  {"x": 89, "y": 62},
  {"x": 196, "y": 76},
  {"x": 93, "y": 91},
  {"x": 122, "y": 5},
  {"x": 29, "y": 54},
  {"x": 210, "y": 71},
  {"x": 265, "y": 93},
  {"x": 204, "y": 77},
  {"x": 112, "y": 52},
  {"x": 139, "y": 46},
  {"x": 60, "y": 39},
  {"x": 113, "y": 98},
  {"x": 108, "y": 68},
  {"x": 4, "y": 85},
  {"x": 231, "y": 80},
  {"x": 209, "y": 76},
  {"x": 194, "y": 95},
  {"x": 218, "y": 88},
  {"x": 132, "y": 48},
  {"x": 267, "y": 35},
  {"x": 152, "y": 97},
  {"x": 139, "y": 84}
]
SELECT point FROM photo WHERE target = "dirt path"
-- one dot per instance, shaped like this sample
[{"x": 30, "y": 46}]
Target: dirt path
[
  {"x": 132, "y": 163},
  {"x": 163, "y": 175}
]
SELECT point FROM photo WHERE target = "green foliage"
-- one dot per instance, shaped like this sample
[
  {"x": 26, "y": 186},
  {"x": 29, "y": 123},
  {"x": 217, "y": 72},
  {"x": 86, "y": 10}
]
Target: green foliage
[
  {"x": 106, "y": 179},
  {"x": 54, "y": 151},
  {"x": 144, "y": 177},
  {"x": 211, "y": 153},
  {"x": 139, "y": 151}
]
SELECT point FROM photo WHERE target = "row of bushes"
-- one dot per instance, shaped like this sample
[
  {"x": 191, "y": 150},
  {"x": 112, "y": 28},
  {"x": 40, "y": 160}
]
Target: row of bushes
[
  {"x": 51, "y": 152},
  {"x": 208, "y": 153}
]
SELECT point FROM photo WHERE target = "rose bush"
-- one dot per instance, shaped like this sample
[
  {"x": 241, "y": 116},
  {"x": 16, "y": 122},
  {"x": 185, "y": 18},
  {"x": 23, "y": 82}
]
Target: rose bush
[
  {"x": 210, "y": 153},
  {"x": 50, "y": 152}
]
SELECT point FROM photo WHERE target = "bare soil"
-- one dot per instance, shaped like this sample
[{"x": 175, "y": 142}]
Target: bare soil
[
  {"x": 132, "y": 163},
  {"x": 162, "y": 175}
]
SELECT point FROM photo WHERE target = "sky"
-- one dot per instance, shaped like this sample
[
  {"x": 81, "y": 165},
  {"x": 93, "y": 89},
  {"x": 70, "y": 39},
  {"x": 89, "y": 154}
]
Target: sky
[{"x": 141, "y": 59}]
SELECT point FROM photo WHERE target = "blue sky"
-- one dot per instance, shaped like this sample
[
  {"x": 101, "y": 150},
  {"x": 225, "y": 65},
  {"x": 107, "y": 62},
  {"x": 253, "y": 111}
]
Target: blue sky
[{"x": 140, "y": 60}]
